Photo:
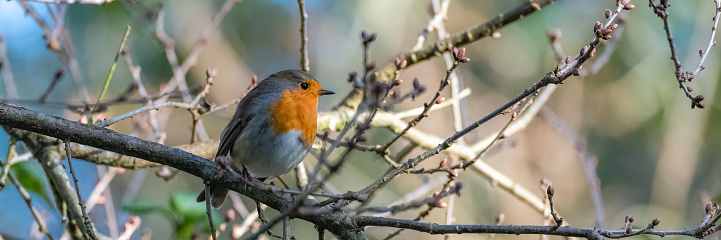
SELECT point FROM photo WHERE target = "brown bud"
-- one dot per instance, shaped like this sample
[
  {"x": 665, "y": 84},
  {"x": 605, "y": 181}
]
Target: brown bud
[
  {"x": 453, "y": 173},
  {"x": 607, "y": 31},
  {"x": 700, "y": 52},
  {"x": 395, "y": 94},
  {"x": 628, "y": 6},
  {"x": 699, "y": 98},
  {"x": 362, "y": 126},
  {"x": 367, "y": 38},
  {"x": 397, "y": 82},
  {"x": 689, "y": 89},
  {"x": 326, "y": 135},
  {"x": 352, "y": 76},
  {"x": 443, "y": 163},
  {"x": 370, "y": 66},
  {"x": 593, "y": 52},
  {"x": 597, "y": 26},
  {"x": 608, "y": 13},
  {"x": 400, "y": 64},
  {"x": 567, "y": 60},
  {"x": 550, "y": 191},
  {"x": 708, "y": 208},
  {"x": 459, "y": 186},
  {"x": 211, "y": 72},
  {"x": 459, "y": 54},
  {"x": 230, "y": 216},
  {"x": 58, "y": 73},
  {"x": 631, "y": 219},
  {"x": 628, "y": 230},
  {"x": 576, "y": 72},
  {"x": 627, "y": 217},
  {"x": 440, "y": 100},
  {"x": 656, "y": 222},
  {"x": 584, "y": 50},
  {"x": 254, "y": 80},
  {"x": 554, "y": 35}
]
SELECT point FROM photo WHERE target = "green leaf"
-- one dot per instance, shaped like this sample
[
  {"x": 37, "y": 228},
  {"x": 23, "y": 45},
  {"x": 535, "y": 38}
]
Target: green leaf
[
  {"x": 31, "y": 177},
  {"x": 185, "y": 205},
  {"x": 193, "y": 213},
  {"x": 142, "y": 209}
]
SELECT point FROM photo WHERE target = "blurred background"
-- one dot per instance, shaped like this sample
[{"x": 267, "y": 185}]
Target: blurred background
[{"x": 657, "y": 157}]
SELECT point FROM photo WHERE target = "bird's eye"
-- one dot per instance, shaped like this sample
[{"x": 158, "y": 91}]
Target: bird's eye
[{"x": 304, "y": 86}]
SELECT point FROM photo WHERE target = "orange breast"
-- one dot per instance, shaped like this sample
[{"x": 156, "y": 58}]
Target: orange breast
[{"x": 297, "y": 110}]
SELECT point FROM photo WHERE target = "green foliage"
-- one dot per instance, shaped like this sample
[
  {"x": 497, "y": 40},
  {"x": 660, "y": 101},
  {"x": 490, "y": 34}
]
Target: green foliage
[
  {"x": 32, "y": 178},
  {"x": 182, "y": 210}
]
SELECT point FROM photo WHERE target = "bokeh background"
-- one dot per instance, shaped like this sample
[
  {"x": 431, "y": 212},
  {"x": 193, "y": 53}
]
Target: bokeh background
[{"x": 657, "y": 158}]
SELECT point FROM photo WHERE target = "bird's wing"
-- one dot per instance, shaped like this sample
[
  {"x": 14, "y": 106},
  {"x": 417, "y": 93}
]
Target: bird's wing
[{"x": 233, "y": 129}]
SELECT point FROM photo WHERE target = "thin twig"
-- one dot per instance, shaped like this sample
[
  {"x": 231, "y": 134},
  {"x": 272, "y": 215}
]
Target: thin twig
[
  {"x": 589, "y": 162},
  {"x": 100, "y": 188},
  {"x": 10, "y": 86},
  {"x": 682, "y": 76},
  {"x": 109, "y": 204},
  {"x": 208, "y": 210},
  {"x": 89, "y": 229},
  {"x": 130, "y": 227},
  {"x": 109, "y": 122},
  {"x": 556, "y": 76},
  {"x": 426, "y": 107},
  {"x": 304, "y": 62},
  {"x": 8, "y": 163},
  {"x": 435, "y": 23},
  {"x": 59, "y": 41},
  {"x": 135, "y": 72},
  {"x": 169, "y": 43},
  {"x": 56, "y": 78},
  {"x": 111, "y": 71},
  {"x": 204, "y": 37}
]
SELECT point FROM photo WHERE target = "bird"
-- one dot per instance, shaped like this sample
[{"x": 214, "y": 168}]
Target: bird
[{"x": 272, "y": 129}]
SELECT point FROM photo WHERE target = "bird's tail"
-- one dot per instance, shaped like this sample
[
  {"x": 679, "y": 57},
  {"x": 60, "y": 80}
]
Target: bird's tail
[{"x": 217, "y": 195}]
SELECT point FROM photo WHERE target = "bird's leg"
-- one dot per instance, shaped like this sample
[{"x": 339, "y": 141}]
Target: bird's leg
[{"x": 281, "y": 181}]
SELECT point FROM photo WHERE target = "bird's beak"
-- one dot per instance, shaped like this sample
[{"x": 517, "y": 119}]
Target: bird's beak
[{"x": 325, "y": 92}]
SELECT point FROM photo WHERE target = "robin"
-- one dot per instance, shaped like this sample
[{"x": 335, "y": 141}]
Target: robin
[{"x": 272, "y": 129}]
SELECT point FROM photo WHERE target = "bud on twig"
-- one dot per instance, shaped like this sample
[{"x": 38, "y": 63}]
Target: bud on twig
[
  {"x": 655, "y": 222},
  {"x": 367, "y": 38},
  {"x": 550, "y": 191},
  {"x": 554, "y": 35},
  {"x": 230, "y": 216},
  {"x": 352, "y": 76},
  {"x": 459, "y": 54},
  {"x": 400, "y": 64}
]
